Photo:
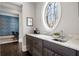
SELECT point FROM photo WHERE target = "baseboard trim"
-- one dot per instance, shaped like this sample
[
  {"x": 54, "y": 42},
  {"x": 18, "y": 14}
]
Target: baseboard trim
[{"x": 20, "y": 40}]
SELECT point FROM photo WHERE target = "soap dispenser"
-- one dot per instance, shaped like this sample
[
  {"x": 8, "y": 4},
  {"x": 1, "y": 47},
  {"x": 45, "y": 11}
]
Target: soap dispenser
[{"x": 36, "y": 31}]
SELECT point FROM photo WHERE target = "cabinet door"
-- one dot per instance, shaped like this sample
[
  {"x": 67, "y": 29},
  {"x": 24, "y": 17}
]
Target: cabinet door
[
  {"x": 37, "y": 45},
  {"x": 48, "y": 52},
  {"x": 36, "y": 52},
  {"x": 61, "y": 50},
  {"x": 29, "y": 43},
  {"x": 77, "y": 53}
]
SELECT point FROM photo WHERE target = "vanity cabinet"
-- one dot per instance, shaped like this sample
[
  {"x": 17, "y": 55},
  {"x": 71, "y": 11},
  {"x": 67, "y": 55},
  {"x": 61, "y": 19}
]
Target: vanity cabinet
[
  {"x": 40, "y": 47},
  {"x": 58, "y": 49}
]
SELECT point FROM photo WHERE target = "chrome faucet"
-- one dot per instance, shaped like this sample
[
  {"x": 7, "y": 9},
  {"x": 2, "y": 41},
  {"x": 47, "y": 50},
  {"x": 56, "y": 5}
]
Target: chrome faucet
[{"x": 62, "y": 34}]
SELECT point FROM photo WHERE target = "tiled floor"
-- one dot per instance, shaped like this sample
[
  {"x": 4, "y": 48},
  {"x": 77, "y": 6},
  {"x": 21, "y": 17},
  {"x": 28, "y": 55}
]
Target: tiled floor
[{"x": 12, "y": 49}]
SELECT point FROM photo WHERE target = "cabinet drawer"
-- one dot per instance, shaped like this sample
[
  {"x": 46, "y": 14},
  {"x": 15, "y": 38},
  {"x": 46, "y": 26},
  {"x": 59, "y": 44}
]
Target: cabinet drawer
[
  {"x": 61, "y": 50},
  {"x": 28, "y": 37}
]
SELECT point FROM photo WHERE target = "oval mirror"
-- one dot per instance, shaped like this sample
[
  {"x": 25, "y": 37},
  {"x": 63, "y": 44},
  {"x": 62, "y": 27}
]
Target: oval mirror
[{"x": 51, "y": 14}]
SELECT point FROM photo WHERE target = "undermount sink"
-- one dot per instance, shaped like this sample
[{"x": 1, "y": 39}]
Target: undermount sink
[{"x": 60, "y": 40}]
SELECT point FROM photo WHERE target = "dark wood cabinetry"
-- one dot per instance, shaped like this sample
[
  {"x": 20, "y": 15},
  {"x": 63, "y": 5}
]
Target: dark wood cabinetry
[
  {"x": 34, "y": 46},
  {"x": 37, "y": 47},
  {"x": 29, "y": 43},
  {"x": 77, "y": 53},
  {"x": 58, "y": 49},
  {"x": 40, "y": 47},
  {"x": 48, "y": 52}
]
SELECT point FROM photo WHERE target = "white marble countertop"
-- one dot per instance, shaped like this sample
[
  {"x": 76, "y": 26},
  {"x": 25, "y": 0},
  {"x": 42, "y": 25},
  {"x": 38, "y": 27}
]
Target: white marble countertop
[{"x": 71, "y": 43}]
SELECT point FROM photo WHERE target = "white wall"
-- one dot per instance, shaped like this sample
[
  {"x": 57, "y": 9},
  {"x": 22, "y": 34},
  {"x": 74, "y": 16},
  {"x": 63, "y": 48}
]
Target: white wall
[
  {"x": 28, "y": 10},
  {"x": 69, "y": 22},
  {"x": 9, "y": 8}
]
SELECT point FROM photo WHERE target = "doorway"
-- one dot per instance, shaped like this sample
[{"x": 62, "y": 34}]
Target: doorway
[{"x": 9, "y": 29}]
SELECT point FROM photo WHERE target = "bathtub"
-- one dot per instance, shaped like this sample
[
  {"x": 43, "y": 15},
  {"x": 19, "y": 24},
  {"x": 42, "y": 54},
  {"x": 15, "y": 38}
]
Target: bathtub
[{"x": 7, "y": 39}]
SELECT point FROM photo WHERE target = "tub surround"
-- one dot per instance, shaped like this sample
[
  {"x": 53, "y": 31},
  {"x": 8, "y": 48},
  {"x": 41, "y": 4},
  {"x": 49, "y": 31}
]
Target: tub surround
[{"x": 73, "y": 42}]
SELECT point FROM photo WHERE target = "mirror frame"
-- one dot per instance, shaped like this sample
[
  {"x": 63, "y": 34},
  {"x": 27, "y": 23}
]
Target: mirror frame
[{"x": 28, "y": 19}]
